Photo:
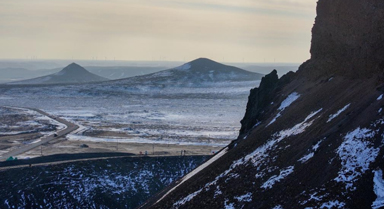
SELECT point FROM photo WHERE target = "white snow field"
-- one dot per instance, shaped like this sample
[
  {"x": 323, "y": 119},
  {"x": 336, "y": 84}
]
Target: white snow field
[{"x": 204, "y": 115}]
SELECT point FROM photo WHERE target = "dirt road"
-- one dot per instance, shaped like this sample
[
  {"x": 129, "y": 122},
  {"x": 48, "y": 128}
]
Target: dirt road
[{"x": 70, "y": 127}]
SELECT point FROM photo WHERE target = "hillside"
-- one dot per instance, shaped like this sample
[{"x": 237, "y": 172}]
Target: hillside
[
  {"x": 73, "y": 73},
  {"x": 311, "y": 139},
  {"x": 122, "y": 182},
  {"x": 195, "y": 73}
]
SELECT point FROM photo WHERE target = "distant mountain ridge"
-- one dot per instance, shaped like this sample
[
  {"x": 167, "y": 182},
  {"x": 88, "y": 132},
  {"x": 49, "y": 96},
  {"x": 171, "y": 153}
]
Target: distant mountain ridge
[
  {"x": 197, "y": 72},
  {"x": 73, "y": 73}
]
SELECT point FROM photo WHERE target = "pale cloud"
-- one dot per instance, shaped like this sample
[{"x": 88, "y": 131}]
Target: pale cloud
[{"x": 136, "y": 29}]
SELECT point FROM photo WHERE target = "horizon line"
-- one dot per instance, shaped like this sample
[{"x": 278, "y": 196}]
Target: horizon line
[{"x": 120, "y": 60}]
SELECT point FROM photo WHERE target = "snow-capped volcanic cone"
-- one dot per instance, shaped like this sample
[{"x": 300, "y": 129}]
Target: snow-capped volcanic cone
[
  {"x": 73, "y": 73},
  {"x": 197, "y": 72}
]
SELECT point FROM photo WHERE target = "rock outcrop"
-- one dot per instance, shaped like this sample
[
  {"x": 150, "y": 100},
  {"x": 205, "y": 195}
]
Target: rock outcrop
[
  {"x": 347, "y": 39},
  {"x": 260, "y": 99}
]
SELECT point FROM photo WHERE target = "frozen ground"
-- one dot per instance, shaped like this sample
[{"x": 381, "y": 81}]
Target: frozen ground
[{"x": 207, "y": 115}]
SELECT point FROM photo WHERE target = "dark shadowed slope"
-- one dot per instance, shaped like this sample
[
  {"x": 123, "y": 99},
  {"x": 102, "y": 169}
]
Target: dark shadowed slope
[
  {"x": 311, "y": 139},
  {"x": 122, "y": 182},
  {"x": 73, "y": 73}
]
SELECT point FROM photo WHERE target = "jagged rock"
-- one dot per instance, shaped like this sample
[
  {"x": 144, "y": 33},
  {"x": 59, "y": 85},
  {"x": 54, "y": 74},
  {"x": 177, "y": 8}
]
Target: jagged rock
[{"x": 260, "y": 99}]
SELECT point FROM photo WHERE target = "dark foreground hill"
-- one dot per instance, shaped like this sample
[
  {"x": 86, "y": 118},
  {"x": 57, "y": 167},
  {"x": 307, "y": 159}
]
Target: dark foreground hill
[
  {"x": 123, "y": 182},
  {"x": 73, "y": 73},
  {"x": 311, "y": 139}
]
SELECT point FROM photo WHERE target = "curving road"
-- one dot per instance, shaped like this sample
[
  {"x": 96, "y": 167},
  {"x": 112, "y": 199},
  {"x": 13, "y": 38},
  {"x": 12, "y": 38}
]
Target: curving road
[{"x": 70, "y": 127}]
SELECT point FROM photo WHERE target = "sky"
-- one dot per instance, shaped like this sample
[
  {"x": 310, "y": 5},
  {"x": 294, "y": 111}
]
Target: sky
[{"x": 153, "y": 30}]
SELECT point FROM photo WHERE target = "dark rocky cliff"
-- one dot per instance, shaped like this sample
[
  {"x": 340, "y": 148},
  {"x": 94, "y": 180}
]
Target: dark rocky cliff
[
  {"x": 347, "y": 39},
  {"x": 260, "y": 99},
  {"x": 312, "y": 139}
]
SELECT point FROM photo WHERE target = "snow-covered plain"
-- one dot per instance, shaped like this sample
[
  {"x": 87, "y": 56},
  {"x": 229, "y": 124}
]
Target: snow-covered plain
[
  {"x": 16, "y": 120},
  {"x": 203, "y": 115}
]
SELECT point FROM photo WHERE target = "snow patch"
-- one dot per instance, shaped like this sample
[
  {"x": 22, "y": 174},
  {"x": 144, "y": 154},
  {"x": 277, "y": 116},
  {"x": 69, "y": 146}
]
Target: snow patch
[
  {"x": 274, "y": 179},
  {"x": 298, "y": 128},
  {"x": 310, "y": 155},
  {"x": 333, "y": 116},
  {"x": 333, "y": 204},
  {"x": 186, "y": 199},
  {"x": 218, "y": 191},
  {"x": 380, "y": 97},
  {"x": 289, "y": 100},
  {"x": 228, "y": 205},
  {"x": 306, "y": 157},
  {"x": 284, "y": 104},
  {"x": 245, "y": 198},
  {"x": 378, "y": 188},
  {"x": 316, "y": 146},
  {"x": 355, "y": 156}
]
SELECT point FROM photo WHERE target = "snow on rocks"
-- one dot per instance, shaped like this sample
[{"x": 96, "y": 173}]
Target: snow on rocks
[
  {"x": 355, "y": 155},
  {"x": 289, "y": 100},
  {"x": 228, "y": 205},
  {"x": 244, "y": 198},
  {"x": 187, "y": 198},
  {"x": 284, "y": 104},
  {"x": 274, "y": 179},
  {"x": 298, "y": 128},
  {"x": 317, "y": 145},
  {"x": 333, "y": 204},
  {"x": 218, "y": 191},
  {"x": 378, "y": 188},
  {"x": 380, "y": 97},
  {"x": 333, "y": 116},
  {"x": 306, "y": 157}
]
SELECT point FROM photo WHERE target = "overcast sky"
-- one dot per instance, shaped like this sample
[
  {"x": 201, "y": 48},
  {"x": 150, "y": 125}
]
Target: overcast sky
[{"x": 173, "y": 30}]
